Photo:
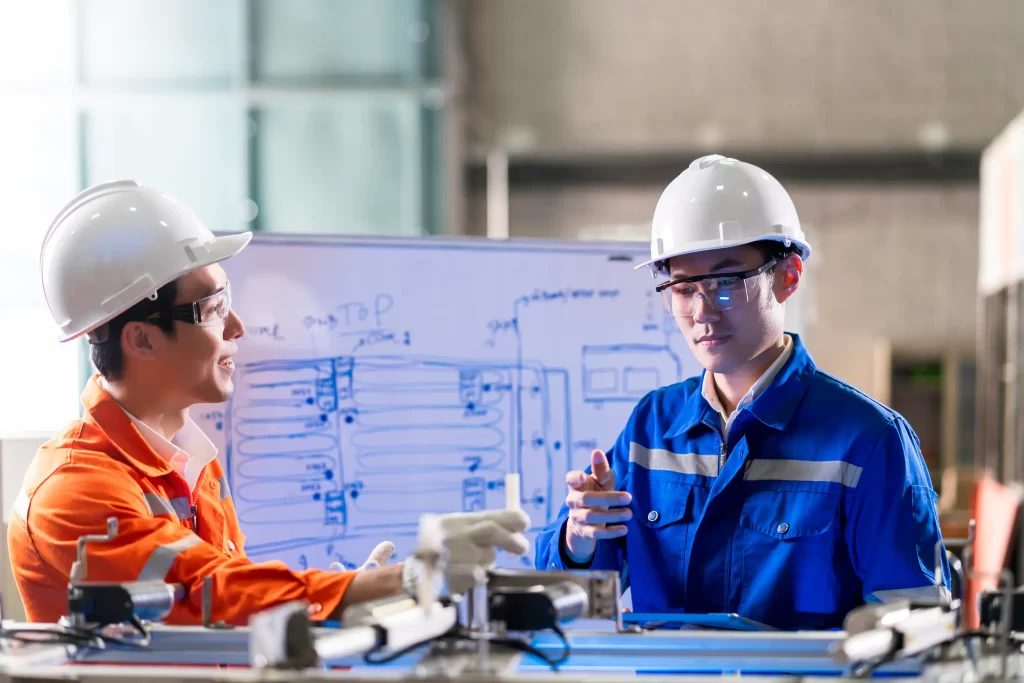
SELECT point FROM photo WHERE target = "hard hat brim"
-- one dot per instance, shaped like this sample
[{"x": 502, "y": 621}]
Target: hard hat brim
[
  {"x": 217, "y": 250},
  {"x": 802, "y": 248}
]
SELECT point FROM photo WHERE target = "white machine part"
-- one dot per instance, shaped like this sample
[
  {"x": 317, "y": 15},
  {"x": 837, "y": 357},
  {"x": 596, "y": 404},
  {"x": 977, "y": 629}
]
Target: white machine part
[
  {"x": 281, "y": 637},
  {"x": 401, "y": 622},
  {"x": 894, "y": 631},
  {"x": 458, "y": 547}
]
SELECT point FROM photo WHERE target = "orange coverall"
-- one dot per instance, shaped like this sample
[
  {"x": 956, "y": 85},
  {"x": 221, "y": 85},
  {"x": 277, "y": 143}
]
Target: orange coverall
[{"x": 100, "y": 467}]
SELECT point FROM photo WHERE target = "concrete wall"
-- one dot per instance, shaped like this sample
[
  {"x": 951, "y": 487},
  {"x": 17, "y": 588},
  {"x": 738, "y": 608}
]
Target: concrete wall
[
  {"x": 598, "y": 78},
  {"x": 894, "y": 264},
  {"x": 615, "y": 75}
]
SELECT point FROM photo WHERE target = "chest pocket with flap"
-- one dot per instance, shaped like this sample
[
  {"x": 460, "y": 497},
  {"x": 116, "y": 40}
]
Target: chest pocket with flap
[
  {"x": 656, "y": 546},
  {"x": 789, "y": 540}
]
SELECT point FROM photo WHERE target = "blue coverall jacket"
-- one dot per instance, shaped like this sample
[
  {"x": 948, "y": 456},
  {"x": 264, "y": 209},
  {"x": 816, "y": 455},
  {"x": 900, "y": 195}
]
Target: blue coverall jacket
[{"x": 818, "y": 500}]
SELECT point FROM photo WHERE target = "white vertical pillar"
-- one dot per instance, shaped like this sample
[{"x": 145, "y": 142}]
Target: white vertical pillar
[{"x": 497, "y": 194}]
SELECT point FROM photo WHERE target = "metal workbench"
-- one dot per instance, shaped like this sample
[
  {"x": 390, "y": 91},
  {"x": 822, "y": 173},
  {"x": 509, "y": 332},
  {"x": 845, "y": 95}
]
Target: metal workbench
[{"x": 598, "y": 652}]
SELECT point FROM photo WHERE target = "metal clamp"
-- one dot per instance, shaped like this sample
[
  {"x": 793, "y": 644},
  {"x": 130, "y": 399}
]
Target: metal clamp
[
  {"x": 98, "y": 602},
  {"x": 208, "y": 606},
  {"x": 1004, "y": 577},
  {"x": 603, "y": 588},
  {"x": 78, "y": 568},
  {"x": 940, "y": 547}
]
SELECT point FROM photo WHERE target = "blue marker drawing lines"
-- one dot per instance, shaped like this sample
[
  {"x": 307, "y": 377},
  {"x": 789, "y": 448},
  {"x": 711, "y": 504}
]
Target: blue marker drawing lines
[
  {"x": 364, "y": 443},
  {"x": 380, "y": 379}
]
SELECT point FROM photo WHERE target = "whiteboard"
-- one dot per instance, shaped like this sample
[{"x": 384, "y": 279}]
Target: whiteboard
[{"x": 379, "y": 379}]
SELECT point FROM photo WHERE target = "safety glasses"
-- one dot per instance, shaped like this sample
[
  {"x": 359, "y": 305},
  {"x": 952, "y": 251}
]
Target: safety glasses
[
  {"x": 210, "y": 310},
  {"x": 722, "y": 291}
]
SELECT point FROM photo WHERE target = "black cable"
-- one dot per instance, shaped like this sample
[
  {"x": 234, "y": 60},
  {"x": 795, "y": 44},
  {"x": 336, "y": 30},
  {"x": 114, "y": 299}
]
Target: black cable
[
  {"x": 137, "y": 623},
  {"x": 864, "y": 669},
  {"x": 117, "y": 640},
  {"x": 74, "y": 636},
  {"x": 523, "y": 646},
  {"x": 370, "y": 659},
  {"x": 455, "y": 634},
  {"x": 31, "y": 635},
  {"x": 566, "y": 648}
]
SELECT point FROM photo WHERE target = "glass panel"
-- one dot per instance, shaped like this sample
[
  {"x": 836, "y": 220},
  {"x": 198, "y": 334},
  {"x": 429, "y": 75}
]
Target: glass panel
[
  {"x": 323, "y": 40},
  {"x": 36, "y": 43},
  {"x": 184, "y": 42},
  {"x": 192, "y": 148},
  {"x": 38, "y": 176},
  {"x": 352, "y": 167},
  {"x": 41, "y": 374}
]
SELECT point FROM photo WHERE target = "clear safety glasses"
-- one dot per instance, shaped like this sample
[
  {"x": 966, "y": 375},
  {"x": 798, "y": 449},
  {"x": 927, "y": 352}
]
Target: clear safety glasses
[
  {"x": 722, "y": 291},
  {"x": 210, "y": 310}
]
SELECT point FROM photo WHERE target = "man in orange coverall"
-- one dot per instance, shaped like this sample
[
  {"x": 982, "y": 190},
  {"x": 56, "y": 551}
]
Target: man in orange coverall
[{"x": 139, "y": 273}]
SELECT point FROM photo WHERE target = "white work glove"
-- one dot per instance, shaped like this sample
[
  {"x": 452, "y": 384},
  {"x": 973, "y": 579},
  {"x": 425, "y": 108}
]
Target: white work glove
[
  {"x": 468, "y": 541},
  {"x": 378, "y": 558}
]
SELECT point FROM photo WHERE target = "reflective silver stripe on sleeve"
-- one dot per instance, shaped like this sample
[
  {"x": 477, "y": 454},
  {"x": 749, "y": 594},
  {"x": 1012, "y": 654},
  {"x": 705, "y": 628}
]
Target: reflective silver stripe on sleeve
[
  {"x": 225, "y": 492},
  {"x": 666, "y": 461},
  {"x": 158, "y": 505},
  {"x": 836, "y": 471},
  {"x": 938, "y": 594},
  {"x": 162, "y": 557}
]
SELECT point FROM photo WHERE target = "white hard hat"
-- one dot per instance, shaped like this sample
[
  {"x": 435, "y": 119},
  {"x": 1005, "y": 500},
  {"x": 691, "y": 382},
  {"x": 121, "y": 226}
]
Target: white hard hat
[
  {"x": 719, "y": 202},
  {"x": 116, "y": 244}
]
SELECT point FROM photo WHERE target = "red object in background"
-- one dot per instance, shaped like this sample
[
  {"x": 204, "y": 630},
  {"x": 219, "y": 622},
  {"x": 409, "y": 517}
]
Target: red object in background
[
  {"x": 931, "y": 458},
  {"x": 994, "y": 509}
]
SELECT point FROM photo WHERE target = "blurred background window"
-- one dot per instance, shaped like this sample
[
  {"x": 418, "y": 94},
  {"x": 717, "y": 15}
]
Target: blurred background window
[{"x": 312, "y": 116}]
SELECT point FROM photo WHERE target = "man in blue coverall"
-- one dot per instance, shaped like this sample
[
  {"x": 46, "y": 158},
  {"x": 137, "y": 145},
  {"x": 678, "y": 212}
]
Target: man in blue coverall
[{"x": 764, "y": 487}]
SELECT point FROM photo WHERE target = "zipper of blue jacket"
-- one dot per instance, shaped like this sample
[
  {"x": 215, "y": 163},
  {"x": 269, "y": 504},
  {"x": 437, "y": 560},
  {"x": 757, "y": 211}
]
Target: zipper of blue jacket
[
  {"x": 721, "y": 454},
  {"x": 723, "y": 436}
]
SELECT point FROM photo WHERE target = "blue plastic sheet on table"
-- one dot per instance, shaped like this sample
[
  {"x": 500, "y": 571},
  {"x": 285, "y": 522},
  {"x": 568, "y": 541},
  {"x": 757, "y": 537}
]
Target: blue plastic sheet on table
[{"x": 675, "y": 620}]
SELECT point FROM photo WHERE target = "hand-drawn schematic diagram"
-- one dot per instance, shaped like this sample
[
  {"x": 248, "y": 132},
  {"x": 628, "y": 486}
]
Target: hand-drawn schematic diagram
[
  {"x": 342, "y": 432},
  {"x": 353, "y": 415},
  {"x": 330, "y": 440}
]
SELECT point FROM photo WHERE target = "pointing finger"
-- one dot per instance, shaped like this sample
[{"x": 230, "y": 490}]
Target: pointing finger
[{"x": 602, "y": 471}]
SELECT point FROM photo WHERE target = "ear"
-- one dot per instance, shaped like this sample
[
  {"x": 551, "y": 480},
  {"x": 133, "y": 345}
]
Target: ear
[
  {"x": 787, "y": 277},
  {"x": 136, "y": 341}
]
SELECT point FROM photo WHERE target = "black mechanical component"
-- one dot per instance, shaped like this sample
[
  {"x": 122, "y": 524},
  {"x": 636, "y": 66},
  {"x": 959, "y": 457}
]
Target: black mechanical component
[
  {"x": 535, "y": 608},
  {"x": 991, "y": 608},
  {"x": 120, "y": 603}
]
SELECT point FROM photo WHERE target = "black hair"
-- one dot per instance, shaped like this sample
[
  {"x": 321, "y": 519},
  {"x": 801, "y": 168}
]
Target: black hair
[
  {"x": 775, "y": 249},
  {"x": 767, "y": 248},
  {"x": 108, "y": 356}
]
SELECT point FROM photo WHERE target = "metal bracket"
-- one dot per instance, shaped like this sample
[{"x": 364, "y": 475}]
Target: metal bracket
[
  {"x": 940, "y": 547},
  {"x": 208, "y": 606},
  {"x": 603, "y": 588},
  {"x": 78, "y": 568},
  {"x": 1006, "y": 578}
]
